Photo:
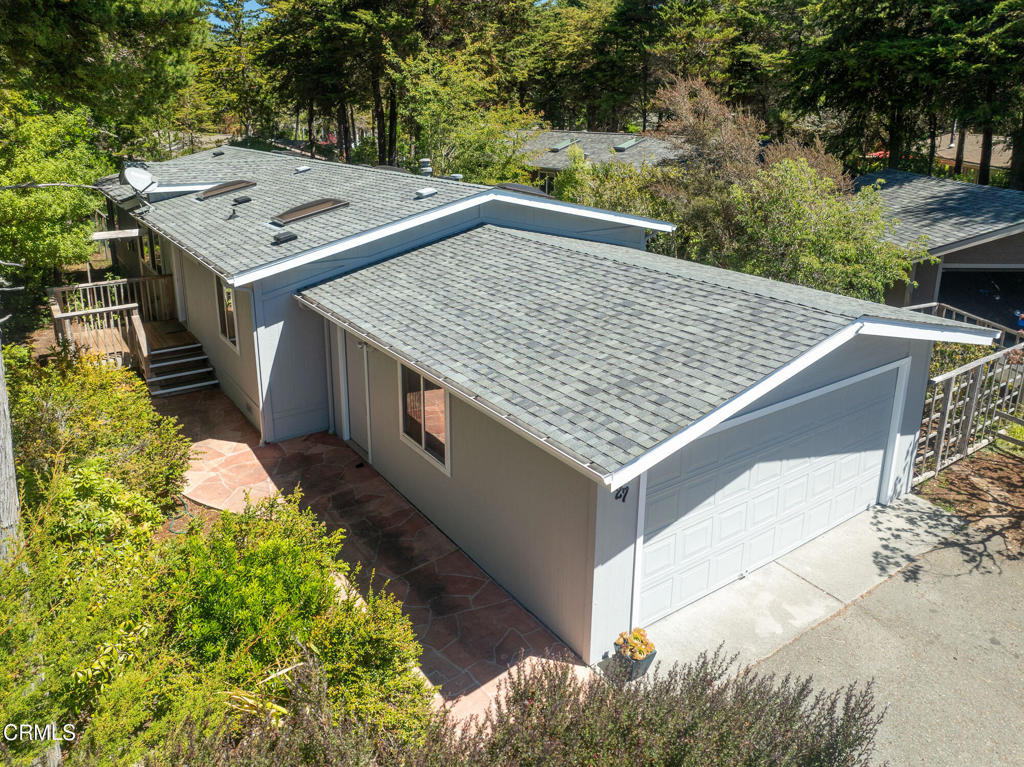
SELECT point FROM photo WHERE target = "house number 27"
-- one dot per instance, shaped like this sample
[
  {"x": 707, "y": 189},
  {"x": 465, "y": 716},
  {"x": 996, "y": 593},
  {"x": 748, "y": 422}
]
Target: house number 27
[{"x": 621, "y": 493}]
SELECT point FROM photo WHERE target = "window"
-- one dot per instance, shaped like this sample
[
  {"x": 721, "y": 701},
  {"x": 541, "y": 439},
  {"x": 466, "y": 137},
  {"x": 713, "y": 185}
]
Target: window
[
  {"x": 226, "y": 312},
  {"x": 425, "y": 415}
]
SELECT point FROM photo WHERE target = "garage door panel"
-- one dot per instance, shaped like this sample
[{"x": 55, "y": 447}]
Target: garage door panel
[
  {"x": 761, "y": 548},
  {"x": 731, "y": 522},
  {"x": 764, "y": 508},
  {"x": 660, "y": 556},
  {"x": 725, "y": 564},
  {"x": 789, "y": 477}
]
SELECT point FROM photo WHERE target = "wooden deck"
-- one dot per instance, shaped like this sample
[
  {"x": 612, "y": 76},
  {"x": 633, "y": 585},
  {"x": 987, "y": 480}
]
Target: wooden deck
[{"x": 113, "y": 341}]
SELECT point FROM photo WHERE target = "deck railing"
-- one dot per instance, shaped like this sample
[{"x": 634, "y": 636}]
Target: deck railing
[
  {"x": 106, "y": 317},
  {"x": 1007, "y": 336},
  {"x": 967, "y": 408},
  {"x": 153, "y": 295}
]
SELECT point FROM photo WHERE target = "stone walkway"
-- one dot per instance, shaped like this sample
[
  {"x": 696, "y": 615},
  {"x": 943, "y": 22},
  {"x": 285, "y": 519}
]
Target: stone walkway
[{"x": 471, "y": 629}]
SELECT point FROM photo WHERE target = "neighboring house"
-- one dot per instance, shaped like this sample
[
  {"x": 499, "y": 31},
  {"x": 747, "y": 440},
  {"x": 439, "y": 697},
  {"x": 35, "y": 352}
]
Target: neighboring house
[
  {"x": 946, "y": 151},
  {"x": 610, "y": 434},
  {"x": 547, "y": 151},
  {"x": 966, "y": 226}
]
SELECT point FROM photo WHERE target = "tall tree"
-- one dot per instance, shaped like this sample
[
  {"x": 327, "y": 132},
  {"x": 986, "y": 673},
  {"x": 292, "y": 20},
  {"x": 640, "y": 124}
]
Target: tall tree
[
  {"x": 122, "y": 60},
  {"x": 874, "y": 62},
  {"x": 990, "y": 67},
  {"x": 230, "y": 62}
]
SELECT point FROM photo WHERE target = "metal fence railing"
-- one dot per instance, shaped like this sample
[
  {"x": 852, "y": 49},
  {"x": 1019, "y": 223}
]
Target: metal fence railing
[{"x": 967, "y": 408}]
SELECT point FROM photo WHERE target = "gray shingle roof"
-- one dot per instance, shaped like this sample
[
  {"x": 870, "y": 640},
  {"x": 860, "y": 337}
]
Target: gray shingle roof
[
  {"x": 945, "y": 210},
  {"x": 233, "y": 245},
  {"x": 598, "y": 147},
  {"x": 605, "y": 351}
]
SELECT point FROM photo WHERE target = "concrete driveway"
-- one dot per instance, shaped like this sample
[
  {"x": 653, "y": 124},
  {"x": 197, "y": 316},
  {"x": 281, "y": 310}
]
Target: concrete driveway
[{"x": 905, "y": 595}]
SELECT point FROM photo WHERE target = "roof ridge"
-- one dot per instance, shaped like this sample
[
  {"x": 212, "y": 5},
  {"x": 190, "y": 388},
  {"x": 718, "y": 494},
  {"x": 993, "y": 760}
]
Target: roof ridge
[
  {"x": 654, "y": 268},
  {"x": 705, "y": 281},
  {"x": 393, "y": 170}
]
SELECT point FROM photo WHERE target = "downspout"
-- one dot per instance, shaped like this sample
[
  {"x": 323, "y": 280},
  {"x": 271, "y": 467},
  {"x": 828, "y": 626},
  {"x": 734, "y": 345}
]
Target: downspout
[
  {"x": 638, "y": 551},
  {"x": 259, "y": 365}
]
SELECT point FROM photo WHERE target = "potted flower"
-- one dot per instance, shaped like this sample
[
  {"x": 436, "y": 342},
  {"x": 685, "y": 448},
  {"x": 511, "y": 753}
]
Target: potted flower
[{"x": 636, "y": 651}]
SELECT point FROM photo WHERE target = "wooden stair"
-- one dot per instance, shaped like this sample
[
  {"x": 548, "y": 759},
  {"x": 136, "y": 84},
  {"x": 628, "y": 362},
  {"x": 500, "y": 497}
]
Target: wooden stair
[{"x": 179, "y": 369}]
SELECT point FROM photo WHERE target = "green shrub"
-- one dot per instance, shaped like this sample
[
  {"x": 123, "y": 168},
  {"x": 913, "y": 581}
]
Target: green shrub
[
  {"x": 369, "y": 654},
  {"x": 73, "y": 410},
  {"x": 947, "y": 356},
  {"x": 88, "y": 505},
  {"x": 129, "y": 638},
  {"x": 256, "y": 584}
]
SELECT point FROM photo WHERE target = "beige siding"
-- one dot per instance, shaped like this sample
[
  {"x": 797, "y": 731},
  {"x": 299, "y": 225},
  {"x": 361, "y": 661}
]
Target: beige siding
[
  {"x": 236, "y": 369},
  {"x": 525, "y": 517}
]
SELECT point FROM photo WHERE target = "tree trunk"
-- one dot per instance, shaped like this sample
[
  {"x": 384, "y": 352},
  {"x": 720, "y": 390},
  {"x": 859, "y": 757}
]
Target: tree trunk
[
  {"x": 933, "y": 128},
  {"x": 310, "y": 116},
  {"x": 296, "y": 122},
  {"x": 961, "y": 139},
  {"x": 985, "y": 163},
  {"x": 10, "y": 529},
  {"x": 1017, "y": 155},
  {"x": 356, "y": 138},
  {"x": 378, "y": 123},
  {"x": 895, "y": 148},
  {"x": 341, "y": 139},
  {"x": 392, "y": 126}
]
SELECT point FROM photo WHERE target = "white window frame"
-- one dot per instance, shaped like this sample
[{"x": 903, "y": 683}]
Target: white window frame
[
  {"x": 418, "y": 447},
  {"x": 219, "y": 285}
]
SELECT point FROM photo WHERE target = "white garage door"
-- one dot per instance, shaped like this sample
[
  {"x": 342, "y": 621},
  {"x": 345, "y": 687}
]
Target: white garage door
[{"x": 741, "y": 496}]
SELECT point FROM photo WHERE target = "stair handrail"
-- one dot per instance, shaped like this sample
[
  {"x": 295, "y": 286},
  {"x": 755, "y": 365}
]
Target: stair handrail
[{"x": 138, "y": 342}]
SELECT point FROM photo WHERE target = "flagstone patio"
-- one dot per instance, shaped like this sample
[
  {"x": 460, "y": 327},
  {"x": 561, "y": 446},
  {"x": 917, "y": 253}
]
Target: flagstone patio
[{"x": 471, "y": 629}]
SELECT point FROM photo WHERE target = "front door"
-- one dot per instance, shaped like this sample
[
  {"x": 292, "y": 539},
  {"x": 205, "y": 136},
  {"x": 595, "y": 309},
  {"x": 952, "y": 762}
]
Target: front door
[{"x": 355, "y": 379}]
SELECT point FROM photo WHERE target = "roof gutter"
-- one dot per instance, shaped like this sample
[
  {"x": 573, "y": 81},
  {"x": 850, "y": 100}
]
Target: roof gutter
[{"x": 442, "y": 211}]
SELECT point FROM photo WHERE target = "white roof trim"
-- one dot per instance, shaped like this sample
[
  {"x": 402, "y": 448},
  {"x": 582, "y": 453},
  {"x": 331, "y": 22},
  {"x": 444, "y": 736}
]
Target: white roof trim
[
  {"x": 866, "y": 325},
  {"x": 490, "y": 195},
  {"x": 924, "y": 332}
]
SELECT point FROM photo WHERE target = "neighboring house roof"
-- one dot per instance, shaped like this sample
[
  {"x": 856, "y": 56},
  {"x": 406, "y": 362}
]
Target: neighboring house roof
[
  {"x": 597, "y": 147},
  {"x": 951, "y": 213},
  {"x": 1001, "y": 150},
  {"x": 598, "y": 352},
  {"x": 236, "y": 240}
]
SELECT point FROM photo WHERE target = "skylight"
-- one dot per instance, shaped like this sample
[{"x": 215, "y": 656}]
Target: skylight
[
  {"x": 627, "y": 144},
  {"x": 308, "y": 209},
  {"x": 227, "y": 186},
  {"x": 564, "y": 144}
]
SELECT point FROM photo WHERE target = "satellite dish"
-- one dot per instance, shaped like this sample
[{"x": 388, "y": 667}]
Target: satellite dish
[{"x": 139, "y": 179}]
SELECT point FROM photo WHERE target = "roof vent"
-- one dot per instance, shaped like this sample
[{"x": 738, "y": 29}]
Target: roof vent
[
  {"x": 218, "y": 152},
  {"x": 456, "y": 177},
  {"x": 302, "y": 169},
  {"x": 564, "y": 144},
  {"x": 627, "y": 144},
  {"x": 427, "y": 191},
  {"x": 224, "y": 188},
  {"x": 308, "y": 209},
  {"x": 241, "y": 200},
  {"x": 282, "y": 237}
]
